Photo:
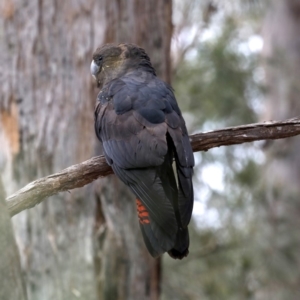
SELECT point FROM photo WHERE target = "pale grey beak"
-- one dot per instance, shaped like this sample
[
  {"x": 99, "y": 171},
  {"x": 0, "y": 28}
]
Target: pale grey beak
[{"x": 94, "y": 69}]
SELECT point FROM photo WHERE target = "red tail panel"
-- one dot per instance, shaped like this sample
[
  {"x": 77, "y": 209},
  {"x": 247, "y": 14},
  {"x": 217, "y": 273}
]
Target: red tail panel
[{"x": 142, "y": 212}]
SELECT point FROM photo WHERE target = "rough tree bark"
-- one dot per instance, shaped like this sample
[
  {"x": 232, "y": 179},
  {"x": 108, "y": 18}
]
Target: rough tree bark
[
  {"x": 47, "y": 99},
  {"x": 11, "y": 281},
  {"x": 46, "y": 111}
]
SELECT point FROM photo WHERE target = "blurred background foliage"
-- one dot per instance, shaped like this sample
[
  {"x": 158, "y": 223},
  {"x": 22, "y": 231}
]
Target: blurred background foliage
[{"x": 240, "y": 250}]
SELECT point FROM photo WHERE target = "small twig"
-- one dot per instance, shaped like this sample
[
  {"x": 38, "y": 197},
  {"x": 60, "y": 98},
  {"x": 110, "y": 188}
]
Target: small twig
[{"x": 88, "y": 171}]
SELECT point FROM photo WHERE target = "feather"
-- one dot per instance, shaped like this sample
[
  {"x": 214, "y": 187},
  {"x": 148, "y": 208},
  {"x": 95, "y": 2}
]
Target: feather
[{"x": 142, "y": 130}]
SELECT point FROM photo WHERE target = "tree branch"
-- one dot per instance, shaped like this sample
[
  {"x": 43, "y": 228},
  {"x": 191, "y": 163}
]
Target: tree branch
[{"x": 81, "y": 174}]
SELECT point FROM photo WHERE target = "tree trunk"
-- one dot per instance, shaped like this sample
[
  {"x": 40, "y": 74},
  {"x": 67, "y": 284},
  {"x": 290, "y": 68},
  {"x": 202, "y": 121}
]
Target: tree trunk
[
  {"x": 125, "y": 268},
  {"x": 11, "y": 281},
  {"x": 47, "y": 101},
  {"x": 282, "y": 172}
]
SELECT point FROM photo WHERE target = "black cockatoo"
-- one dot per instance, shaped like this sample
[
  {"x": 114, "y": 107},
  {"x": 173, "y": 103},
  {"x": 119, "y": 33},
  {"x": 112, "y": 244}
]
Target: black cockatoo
[{"x": 140, "y": 125}]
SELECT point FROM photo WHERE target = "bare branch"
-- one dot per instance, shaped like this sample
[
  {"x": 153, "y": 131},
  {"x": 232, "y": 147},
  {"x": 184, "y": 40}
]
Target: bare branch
[
  {"x": 271, "y": 130},
  {"x": 81, "y": 174}
]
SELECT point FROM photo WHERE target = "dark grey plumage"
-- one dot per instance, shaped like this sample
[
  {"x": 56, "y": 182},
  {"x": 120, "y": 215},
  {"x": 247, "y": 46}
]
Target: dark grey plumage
[{"x": 142, "y": 130}]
